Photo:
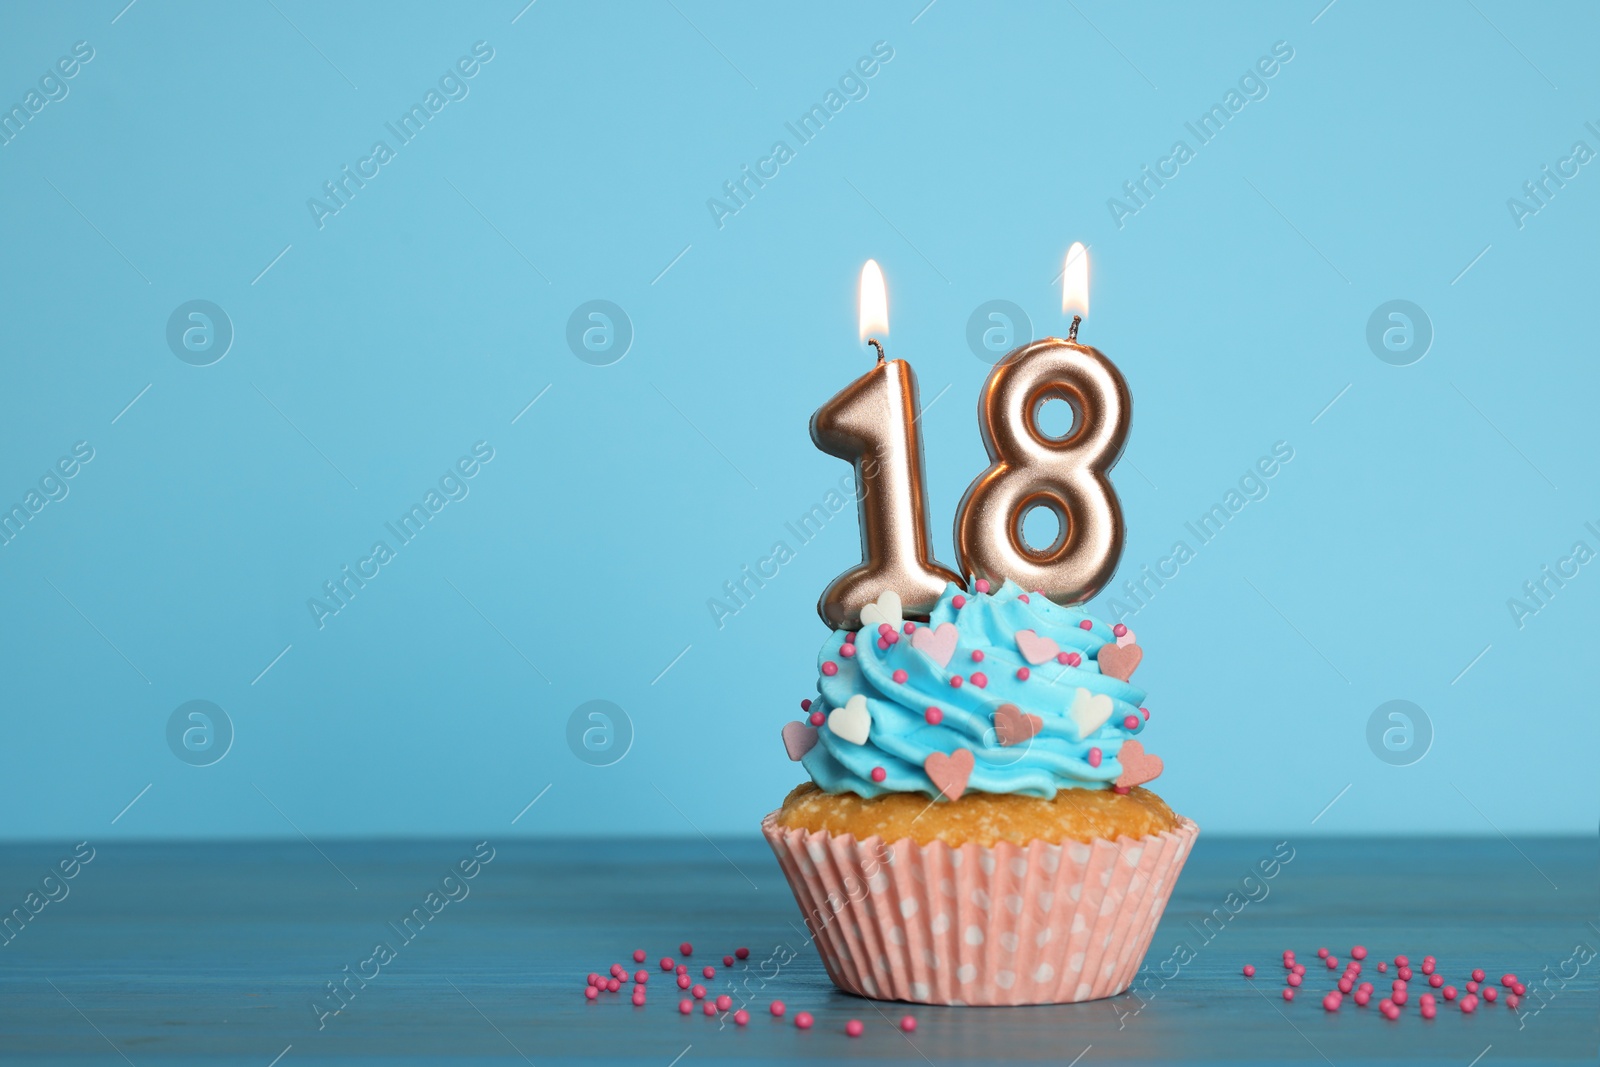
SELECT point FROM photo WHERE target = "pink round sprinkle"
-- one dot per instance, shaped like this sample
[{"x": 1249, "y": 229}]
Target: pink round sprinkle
[
  {"x": 802, "y": 1020},
  {"x": 1331, "y": 1002},
  {"x": 685, "y": 1006},
  {"x": 666, "y": 963},
  {"x": 892, "y": 637},
  {"x": 980, "y": 679},
  {"x": 854, "y": 1028},
  {"x": 777, "y": 1008},
  {"x": 1490, "y": 993},
  {"x": 1382, "y": 966},
  {"x": 1146, "y": 713},
  {"x": 1130, "y": 722},
  {"x": 883, "y": 645},
  {"x": 638, "y": 955},
  {"x": 805, "y": 705},
  {"x": 1345, "y": 985},
  {"x": 1429, "y": 966},
  {"x": 955, "y": 681},
  {"x": 1120, "y": 630},
  {"x": 1508, "y": 979},
  {"x": 1073, "y": 659},
  {"x": 1518, "y": 988},
  {"x": 847, "y": 651},
  {"x": 1399, "y": 996},
  {"x": 977, "y": 655},
  {"x": 850, "y": 638},
  {"x": 612, "y": 985},
  {"x": 1333, "y": 963},
  {"x": 909, "y": 628},
  {"x": 1428, "y": 1011},
  {"x": 1512, "y": 1000},
  {"x": 641, "y": 977},
  {"x": 1288, "y": 994},
  {"x": 1024, "y": 598},
  {"x": 709, "y": 972},
  {"x": 981, "y": 585},
  {"x": 741, "y": 1017},
  {"x": 1404, "y": 972},
  {"x": 1398, "y": 983},
  {"x": 741, "y": 953},
  {"x": 683, "y": 981},
  {"x": 727, "y": 961},
  {"x": 879, "y": 774},
  {"x": 1469, "y": 1004},
  {"x": 590, "y": 992},
  {"x": 1426, "y": 999},
  {"x": 1472, "y": 987},
  {"x": 1022, "y": 674},
  {"x": 1249, "y": 970},
  {"x": 686, "y": 949},
  {"x": 1392, "y": 1013},
  {"x": 884, "y": 629},
  {"x": 900, "y": 676},
  {"x": 1448, "y": 992},
  {"x": 724, "y": 1002},
  {"x": 818, "y": 718},
  {"x": 1294, "y": 979},
  {"x": 708, "y": 1008},
  {"x": 1359, "y": 952},
  {"x": 1436, "y": 980},
  {"x": 958, "y": 602},
  {"x": 1095, "y": 756},
  {"x": 1299, "y": 969},
  {"x": 592, "y": 979},
  {"x": 1362, "y": 997},
  {"x": 934, "y": 716},
  {"x": 618, "y": 971},
  {"x": 909, "y": 1024},
  {"x": 1322, "y": 953},
  {"x": 830, "y": 668},
  {"x": 1478, "y": 975},
  {"x": 1086, "y": 625},
  {"x": 638, "y": 998},
  {"x": 683, "y": 968},
  {"x": 1402, "y": 961},
  {"x": 698, "y": 992}
]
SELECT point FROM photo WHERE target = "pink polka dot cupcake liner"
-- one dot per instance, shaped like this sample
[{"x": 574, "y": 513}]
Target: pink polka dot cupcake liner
[{"x": 931, "y": 924}]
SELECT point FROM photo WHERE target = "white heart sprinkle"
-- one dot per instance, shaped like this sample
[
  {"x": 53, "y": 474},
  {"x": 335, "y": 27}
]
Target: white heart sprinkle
[
  {"x": 853, "y": 721},
  {"x": 886, "y": 610},
  {"x": 1089, "y": 711}
]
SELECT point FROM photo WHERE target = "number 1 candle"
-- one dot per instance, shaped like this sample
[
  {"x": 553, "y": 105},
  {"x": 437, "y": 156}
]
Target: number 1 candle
[{"x": 873, "y": 423}]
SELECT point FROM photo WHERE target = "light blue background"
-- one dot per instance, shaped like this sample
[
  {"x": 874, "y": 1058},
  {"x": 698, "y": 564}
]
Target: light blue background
[{"x": 424, "y": 317}]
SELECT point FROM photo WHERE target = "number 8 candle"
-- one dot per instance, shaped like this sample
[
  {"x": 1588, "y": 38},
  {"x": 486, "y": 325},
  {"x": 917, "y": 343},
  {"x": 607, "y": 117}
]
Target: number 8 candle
[
  {"x": 872, "y": 422},
  {"x": 1029, "y": 469}
]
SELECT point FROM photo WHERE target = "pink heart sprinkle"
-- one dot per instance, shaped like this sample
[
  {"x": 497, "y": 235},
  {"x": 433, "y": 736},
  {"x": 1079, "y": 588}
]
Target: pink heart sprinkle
[
  {"x": 938, "y": 644},
  {"x": 1138, "y": 766},
  {"x": 798, "y": 739},
  {"x": 1036, "y": 649},
  {"x": 949, "y": 774}
]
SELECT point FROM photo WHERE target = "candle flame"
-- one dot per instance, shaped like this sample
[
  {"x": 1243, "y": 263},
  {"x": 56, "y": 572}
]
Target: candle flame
[
  {"x": 1075, "y": 281},
  {"x": 874, "y": 301}
]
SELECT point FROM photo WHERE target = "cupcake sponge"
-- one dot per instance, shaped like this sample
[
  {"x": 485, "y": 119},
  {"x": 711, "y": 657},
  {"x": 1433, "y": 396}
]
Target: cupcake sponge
[{"x": 980, "y": 818}]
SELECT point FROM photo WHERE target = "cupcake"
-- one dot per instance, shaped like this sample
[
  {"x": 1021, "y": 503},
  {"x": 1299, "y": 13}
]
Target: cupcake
[{"x": 975, "y": 831}]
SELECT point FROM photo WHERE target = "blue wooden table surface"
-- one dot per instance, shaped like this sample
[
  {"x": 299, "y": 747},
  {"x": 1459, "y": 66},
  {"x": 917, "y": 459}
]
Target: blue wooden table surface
[{"x": 221, "y": 953}]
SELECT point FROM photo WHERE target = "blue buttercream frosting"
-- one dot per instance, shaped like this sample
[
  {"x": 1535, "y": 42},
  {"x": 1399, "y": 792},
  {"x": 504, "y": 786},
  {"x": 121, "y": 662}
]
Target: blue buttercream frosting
[{"x": 900, "y": 737}]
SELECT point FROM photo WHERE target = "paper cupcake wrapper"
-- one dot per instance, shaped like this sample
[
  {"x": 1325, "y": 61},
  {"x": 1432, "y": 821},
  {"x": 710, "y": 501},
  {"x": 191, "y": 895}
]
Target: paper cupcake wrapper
[{"x": 1041, "y": 924}]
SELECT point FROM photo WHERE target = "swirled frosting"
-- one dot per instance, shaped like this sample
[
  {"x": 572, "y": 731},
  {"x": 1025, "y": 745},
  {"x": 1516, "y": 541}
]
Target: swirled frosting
[{"x": 902, "y": 682}]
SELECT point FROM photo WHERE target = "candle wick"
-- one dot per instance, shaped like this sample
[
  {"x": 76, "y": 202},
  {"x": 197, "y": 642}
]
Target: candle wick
[
  {"x": 873, "y": 341},
  {"x": 1072, "y": 331}
]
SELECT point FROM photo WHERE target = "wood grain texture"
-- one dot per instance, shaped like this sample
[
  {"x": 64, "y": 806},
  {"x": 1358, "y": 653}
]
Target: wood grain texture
[{"x": 214, "y": 953}]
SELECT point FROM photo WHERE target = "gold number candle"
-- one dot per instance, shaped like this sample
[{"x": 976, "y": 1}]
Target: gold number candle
[
  {"x": 1029, "y": 469},
  {"x": 872, "y": 422}
]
